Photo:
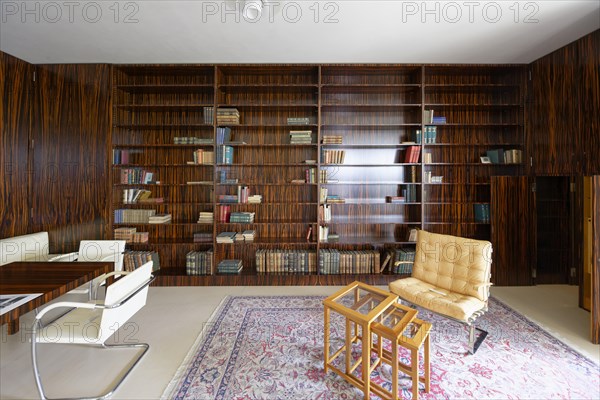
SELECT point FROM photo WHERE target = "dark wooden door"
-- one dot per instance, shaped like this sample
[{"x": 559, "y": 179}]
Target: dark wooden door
[
  {"x": 513, "y": 218},
  {"x": 595, "y": 314}
]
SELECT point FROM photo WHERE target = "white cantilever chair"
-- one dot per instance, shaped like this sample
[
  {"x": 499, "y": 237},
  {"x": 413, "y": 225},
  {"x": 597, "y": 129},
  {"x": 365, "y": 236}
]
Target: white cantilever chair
[
  {"x": 123, "y": 299},
  {"x": 100, "y": 250}
]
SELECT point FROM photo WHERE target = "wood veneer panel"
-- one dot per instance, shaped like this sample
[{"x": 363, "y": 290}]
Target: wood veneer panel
[
  {"x": 562, "y": 133},
  {"x": 595, "y": 313},
  {"x": 16, "y": 78},
  {"x": 71, "y": 133},
  {"x": 513, "y": 222}
]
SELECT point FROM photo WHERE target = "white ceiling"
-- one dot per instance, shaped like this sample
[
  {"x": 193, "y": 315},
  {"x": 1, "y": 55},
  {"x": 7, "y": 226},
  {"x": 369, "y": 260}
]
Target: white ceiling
[{"x": 292, "y": 31}]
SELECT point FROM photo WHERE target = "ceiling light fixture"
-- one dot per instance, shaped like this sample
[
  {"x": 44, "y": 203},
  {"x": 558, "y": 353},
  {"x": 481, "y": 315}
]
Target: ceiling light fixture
[{"x": 252, "y": 9}]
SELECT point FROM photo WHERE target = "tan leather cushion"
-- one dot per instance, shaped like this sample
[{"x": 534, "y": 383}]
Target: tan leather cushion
[
  {"x": 439, "y": 300},
  {"x": 456, "y": 264}
]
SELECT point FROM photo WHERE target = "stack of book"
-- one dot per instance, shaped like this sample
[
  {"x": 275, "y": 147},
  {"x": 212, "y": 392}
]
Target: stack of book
[
  {"x": 239, "y": 237},
  {"x": 132, "y": 216},
  {"x": 249, "y": 235},
  {"x": 140, "y": 237},
  {"x": 333, "y": 156},
  {"x": 209, "y": 115},
  {"x": 191, "y": 140},
  {"x": 203, "y": 237},
  {"x": 228, "y": 116},
  {"x": 394, "y": 199},
  {"x": 438, "y": 120},
  {"x": 125, "y": 234},
  {"x": 301, "y": 137},
  {"x": 332, "y": 139},
  {"x": 255, "y": 199},
  {"x": 205, "y": 217},
  {"x": 230, "y": 267},
  {"x": 298, "y": 121},
  {"x": 159, "y": 219},
  {"x": 202, "y": 156},
  {"x": 241, "y": 217},
  {"x": 226, "y": 237},
  {"x": 135, "y": 259},
  {"x": 199, "y": 262},
  {"x": 228, "y": 198},
  {"x": 334, "y": 198}
]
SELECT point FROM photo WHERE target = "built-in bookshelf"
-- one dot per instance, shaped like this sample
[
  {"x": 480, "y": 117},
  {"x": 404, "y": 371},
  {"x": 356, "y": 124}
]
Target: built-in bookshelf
[{"x": 313, "y": 162}]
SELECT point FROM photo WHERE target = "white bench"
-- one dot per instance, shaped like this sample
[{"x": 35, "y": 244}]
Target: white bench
[{"x": 31, "y": 247}]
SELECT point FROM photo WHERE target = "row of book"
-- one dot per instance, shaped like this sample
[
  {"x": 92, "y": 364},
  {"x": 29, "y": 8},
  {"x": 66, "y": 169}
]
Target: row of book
[
  {"x": 131, "y": 235},
  {"x": 203, "y": 237},
  {"x": 324, "y": 177},
  {"x": 231, "y": 237},
  {"x": 133, "y": 259},
  {"x": 325, "y": 212},
  {"x": 310, "y": 175},
  {"x": 430, "y": 118},
  {"x": 199, "y": 262},
  {"x": 411, "y": 154},
  {"x": 333, "y": 261},
  {"x": 333, "y": 156},
  {"x": 285, "y": 261},
  {"x": 209, "y": 114},
  {"x": 224, "y": 154},
  {"x": 205, "y": 217},
  {"x": 225, "y": 180},
  {"x": 132, "y": 216},
  {"x": 242, "y": 197},
  {"x": 331, "y": 139},
  {"x": 400, "y": 261},
  {"x": 324, "y": 235},
  {"x": 120, "y": 156},
  {"x": 501, "y": 156},
  {"x": 133, "y": 195},
  {"x": 223, "y": 135},
  {"x": 232, "y": 266},
  {"x": 481, "y": 212},
  {"x": 191, "y": 140},
  {"x": 409, "y": 193},
  {"x": 136, "y": 176},
  {"x": 301, "y": 137},
  {"x": 298, "y": 121},
  {"x": 326, "y": 197},
  {"x": 202, "y": 156},
  {"x": 429, "y": 136}
]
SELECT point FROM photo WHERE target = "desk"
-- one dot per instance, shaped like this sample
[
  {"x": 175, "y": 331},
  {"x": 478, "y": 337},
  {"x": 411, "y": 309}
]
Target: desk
[
  {"x": 52, "y": 279},
  {"x": 360, "y": 305}
]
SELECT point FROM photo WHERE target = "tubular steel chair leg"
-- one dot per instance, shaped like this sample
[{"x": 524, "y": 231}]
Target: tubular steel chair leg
[{"x": 38, "y": 378}]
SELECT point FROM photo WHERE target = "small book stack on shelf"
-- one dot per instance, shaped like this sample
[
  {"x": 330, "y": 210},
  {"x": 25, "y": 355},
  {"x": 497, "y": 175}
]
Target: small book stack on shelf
[
  {"x": 226, "y": 237},
  {"x": 125, "y": 234},
  {"x": 301, "y": 137},
  {"x": 332, "y": 139},
  {"x": 140, "y": 237},
  {"x": 203, "y": 237},
  {"x": 241, "y": 217},
  {"x": 228, "y": 116},
  {"x": 230, "y": 267},
  {"x": 199, "y": 262},
  {"x": 228, "y": 198},
  {"x": 205, "y": 217},
  {"x": 135, "y": 259},
  {"x": 394, "y": 199},
  {"x": 438, "y": 120},
  {"x": 334, "y": 198},
  {"x": 159, "y": 219},
  {"x": 255, "y": 199},
  {"x": 249, "y": 235},
  {"x": 191, "y": 140},
  {"x": 298, "y": 121}
]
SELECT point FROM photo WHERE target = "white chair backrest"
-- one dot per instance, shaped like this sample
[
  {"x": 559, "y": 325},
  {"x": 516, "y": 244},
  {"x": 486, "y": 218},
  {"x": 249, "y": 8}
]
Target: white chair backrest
[
  {"x": 102, "y": 250},
  {"x": 113, "y": 319},
  {"x": 30, "y": 247}
]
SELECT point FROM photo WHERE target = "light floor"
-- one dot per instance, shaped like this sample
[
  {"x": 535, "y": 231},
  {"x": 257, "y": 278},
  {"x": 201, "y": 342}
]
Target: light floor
[{"x": 173, "y": 318}]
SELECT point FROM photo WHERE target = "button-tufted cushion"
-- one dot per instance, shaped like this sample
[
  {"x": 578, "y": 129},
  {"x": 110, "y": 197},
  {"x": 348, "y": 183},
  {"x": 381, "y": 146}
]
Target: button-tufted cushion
[{"x": 456, "y": 264}]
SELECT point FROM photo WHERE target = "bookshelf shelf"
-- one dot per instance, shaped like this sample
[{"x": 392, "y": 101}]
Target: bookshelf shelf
[{"x": 368, "y": 113}]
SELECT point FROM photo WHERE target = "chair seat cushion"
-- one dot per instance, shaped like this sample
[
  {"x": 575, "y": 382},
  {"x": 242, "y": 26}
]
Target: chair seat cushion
[{"x": 441, "y": 301}]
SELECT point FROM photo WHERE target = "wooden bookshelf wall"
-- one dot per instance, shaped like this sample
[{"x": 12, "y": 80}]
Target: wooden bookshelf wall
[{"x": 375, "y": 110}]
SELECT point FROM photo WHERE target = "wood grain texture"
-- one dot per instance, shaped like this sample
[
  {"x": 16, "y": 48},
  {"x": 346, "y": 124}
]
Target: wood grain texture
[
  {"x": 16, "y": 78},
  {"x": 595, "y": 312},
  {"x": 562, "y": 130},
  {"x": 513, "y": 230},
  {"x": 72, "y": 137}
]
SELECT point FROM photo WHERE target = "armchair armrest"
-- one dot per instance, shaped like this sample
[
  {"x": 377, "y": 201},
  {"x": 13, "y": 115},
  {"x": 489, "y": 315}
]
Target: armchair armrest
[
  {"x": 65, "y": 304},
  {"x": 102, "y": 278},
  {"x": 64, "y": 257}
]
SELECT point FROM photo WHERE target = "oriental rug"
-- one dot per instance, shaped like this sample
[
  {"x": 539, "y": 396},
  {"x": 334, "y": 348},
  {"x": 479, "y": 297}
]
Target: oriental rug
[{"x": 272, "y": 348}]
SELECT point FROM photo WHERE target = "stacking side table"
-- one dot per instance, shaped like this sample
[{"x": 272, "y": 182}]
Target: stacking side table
[
  {"x": 399, "y": 325},
  {"x": 360, "y": 305}
]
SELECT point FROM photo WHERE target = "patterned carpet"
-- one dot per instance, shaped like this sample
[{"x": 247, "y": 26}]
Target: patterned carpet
[{"x": 272, "y": 348}]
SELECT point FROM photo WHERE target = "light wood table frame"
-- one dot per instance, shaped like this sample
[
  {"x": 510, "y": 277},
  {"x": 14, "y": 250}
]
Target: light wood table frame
[
  {"x": 400, "y": 326},
  {"x": 360, "y": 304}
]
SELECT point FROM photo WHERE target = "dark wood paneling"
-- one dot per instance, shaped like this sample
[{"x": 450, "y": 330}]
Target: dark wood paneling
[
  {"x": 562, "y": 129},
  {"x": 16, "y": 77},
  {"x": 71, "y": 136},
  {"x": 595, "y": 314},
  {"x": 513, "y": 230}
]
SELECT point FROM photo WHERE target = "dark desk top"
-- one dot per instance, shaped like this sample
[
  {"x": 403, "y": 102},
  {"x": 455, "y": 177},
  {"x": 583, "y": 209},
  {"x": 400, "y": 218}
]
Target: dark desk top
[{"x": 53, "y": 279}]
